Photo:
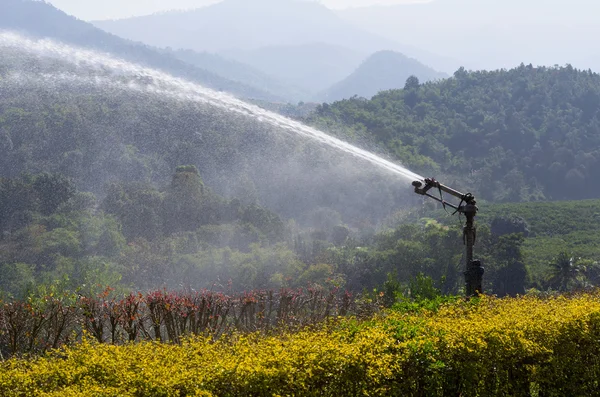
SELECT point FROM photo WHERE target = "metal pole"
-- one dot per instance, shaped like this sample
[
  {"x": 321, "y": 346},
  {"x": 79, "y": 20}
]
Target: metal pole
[{"x": 473, "y": 269}]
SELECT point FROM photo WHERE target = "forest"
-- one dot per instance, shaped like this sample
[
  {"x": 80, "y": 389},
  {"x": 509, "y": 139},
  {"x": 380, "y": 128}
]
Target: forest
[
  {"x": 103, "y": 186},
  {"x": 524, "y": 134}
]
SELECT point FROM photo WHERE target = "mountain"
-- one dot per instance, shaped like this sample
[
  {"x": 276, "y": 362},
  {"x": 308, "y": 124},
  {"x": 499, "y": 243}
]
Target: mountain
[
  {"x": 490, "y": 34},
  {"x": 42, "y": 20},
  {"x": 383, "y": 70},
  {"x": 240, "y": 72},
  {"x": 313, "y": 66},
  {"x": 243, "y": 24},
  {"x": 250, "y": 25}
]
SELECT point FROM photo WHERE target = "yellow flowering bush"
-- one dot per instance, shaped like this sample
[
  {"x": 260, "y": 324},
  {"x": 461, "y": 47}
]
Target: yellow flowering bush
[{"x": 485, "y": 347}]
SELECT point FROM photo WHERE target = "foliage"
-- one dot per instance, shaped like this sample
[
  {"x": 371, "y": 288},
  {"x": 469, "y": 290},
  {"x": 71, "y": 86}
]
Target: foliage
[
  {"x": 51, "y": 319},
  {"x": 549, "y": 228},
  {"x": 303, "y": 214},
  {"x": 524, "y": 134},
  {"x": 487, "y": 347},
  {"x": 504, "y": 225},
  {"x": 566, "y": 271},
  {"x": 143, "y": 238}
]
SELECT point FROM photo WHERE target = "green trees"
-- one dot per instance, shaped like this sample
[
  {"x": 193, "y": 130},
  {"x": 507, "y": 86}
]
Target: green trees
[
  {"x": 411, "y": 88},
  {"x": 518, "y": 135},
  {"x": 23, "y": 198},
  {"x": 183, "y": 203},
  {"x": 138, "y": 208},
  {"x": 503, "y": 225},
  {"x": 509, "y": 276},
  {"x": 566, "y": 272},
  {"x": 507, "y": 135},
  {"x": 265, "y": 221}
]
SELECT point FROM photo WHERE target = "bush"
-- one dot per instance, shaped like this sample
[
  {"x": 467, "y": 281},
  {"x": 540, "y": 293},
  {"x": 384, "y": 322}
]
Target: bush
[{"x": 482, "y": 347}]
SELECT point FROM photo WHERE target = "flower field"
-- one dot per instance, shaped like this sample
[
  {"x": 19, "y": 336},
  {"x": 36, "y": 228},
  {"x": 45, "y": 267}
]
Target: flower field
[{"x": 525, "y": 346}]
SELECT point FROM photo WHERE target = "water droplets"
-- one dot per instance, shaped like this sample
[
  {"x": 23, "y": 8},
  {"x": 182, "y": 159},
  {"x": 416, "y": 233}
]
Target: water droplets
[{"x": 118, "y": 73}]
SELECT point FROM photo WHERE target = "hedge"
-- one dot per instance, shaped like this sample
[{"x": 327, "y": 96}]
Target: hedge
[{"x": 526, "y": 346}]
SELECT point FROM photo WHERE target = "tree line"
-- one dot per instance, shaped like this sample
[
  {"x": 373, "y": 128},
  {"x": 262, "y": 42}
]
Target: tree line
[{"x": 524, "y": 134}]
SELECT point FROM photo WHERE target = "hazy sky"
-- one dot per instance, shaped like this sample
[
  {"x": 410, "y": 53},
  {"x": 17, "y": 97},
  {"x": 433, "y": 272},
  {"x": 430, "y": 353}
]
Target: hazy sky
[{"x": 109, "y": 9}]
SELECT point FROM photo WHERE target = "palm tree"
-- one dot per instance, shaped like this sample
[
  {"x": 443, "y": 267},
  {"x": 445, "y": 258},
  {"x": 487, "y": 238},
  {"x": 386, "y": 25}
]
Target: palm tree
[{"x": 566, "y": 272}]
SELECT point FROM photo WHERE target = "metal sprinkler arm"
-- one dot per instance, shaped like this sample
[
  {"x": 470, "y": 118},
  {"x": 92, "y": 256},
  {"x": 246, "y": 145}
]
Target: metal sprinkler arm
[
  {"x": 431, "y": 183},
  {"x": 474, "y": 270}
]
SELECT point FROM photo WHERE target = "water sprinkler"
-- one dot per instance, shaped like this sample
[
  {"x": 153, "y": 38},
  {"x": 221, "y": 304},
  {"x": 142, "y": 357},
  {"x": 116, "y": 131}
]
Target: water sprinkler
[{"x": 468, "y": 207}]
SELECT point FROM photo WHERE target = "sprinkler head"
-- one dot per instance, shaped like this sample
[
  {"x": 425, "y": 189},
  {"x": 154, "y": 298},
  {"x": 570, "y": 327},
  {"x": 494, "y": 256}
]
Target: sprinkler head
[{"x": 417, "y": 184}]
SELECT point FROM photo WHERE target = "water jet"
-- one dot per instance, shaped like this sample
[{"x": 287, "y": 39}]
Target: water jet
[{"x": 157, "y": 82}]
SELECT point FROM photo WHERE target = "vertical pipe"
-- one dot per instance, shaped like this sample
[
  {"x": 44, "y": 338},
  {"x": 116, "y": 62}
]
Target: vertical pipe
[
  {"x": 469, "y": 238},
  {"x": 473, "y": 269}
]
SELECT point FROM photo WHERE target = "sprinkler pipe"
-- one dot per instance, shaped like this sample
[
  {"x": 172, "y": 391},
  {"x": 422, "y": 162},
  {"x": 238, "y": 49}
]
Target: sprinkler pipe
[{"x": 468, "y": 207}]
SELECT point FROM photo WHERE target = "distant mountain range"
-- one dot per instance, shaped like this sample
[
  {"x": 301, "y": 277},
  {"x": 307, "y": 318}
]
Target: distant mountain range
[
  {"x": 301, "y": 69},
  {"x": 246, "y": 25},
  {"x": 383, "y": 70},
  {"x": 42, "y": 20},
  {"x": 491, "y": 34},
  {"x": 243, "y": 25},
  {"x": 313, "y": 66}
]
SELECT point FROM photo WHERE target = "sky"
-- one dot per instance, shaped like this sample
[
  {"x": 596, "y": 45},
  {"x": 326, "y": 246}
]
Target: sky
[{"x": 112, "y": 9}]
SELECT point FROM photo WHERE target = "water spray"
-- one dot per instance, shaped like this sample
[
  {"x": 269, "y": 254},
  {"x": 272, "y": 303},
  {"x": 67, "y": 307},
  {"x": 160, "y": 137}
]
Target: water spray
[
  {"x": 152, "y": 81},
  {"x": 467, "y": 207}
]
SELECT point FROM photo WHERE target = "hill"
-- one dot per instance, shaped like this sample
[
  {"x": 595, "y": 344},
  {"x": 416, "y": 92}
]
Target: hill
[
  {"x": 382, "y": 71},
  {"x": 254, "y": 204},
  {"x": 508, "y": 135},
  {"x": 42, "y": 20},
  {"x": 250, "y": 25},
  {"x": 313, "y": 66}
]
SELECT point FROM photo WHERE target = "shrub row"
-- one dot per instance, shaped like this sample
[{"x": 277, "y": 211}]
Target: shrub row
[
  {"x": 34, "y": 326},
  {"x": 490, "y": 347}
]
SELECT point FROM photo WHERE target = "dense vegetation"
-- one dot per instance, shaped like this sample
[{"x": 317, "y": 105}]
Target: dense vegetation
[
  {"x": 564, "y": 234},
  {"x": 509, "y": 135},
  {"x": 102, "y": 132},
  {"x": 143, "y": 224},
  {"x": 41, "y": 324},
  {"x": 525, "y": 346},
  {"x": 138, "y": 237},
  {"x": 259, "y": 209}
]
